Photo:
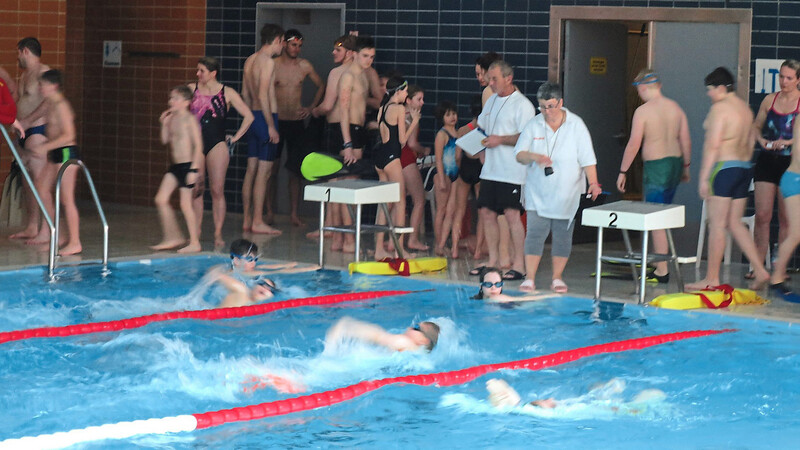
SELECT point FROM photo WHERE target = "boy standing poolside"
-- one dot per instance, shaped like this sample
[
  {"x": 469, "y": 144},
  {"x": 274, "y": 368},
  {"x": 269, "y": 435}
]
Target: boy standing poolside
[
  {"x": 56, "y": 150},
  {"x": 181, "y": 130}
]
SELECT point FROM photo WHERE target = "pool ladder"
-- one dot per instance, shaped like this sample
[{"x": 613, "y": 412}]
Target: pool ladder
[{"x": 51, "y": 262}]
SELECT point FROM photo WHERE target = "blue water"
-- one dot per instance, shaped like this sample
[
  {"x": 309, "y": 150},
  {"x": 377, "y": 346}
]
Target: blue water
[{"x": 731, "y": 390}]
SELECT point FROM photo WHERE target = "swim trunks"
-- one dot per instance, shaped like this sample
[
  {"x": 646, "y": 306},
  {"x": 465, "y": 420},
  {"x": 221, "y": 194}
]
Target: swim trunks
[
  {"x": 64, "y": 154},
  {"x": 210, "y": 111},
  {"x": 359, "y": 137},
  {"x": 333, "y": 139},
  {"x": 770, "y": 166},
  {"x": 180, "y": 171},
  {"x": 407, "y": 157},
  {"x": 470, "y": 170},
  {"x": 498, "y": 196},
  {"x": 731, "y": 179},
  {"x": 258, "y": 144},
  {"x": 390, "y": 150},
  {"x": 790, "y": 184},
  {"x": 449, "y": 157},
  {"x": 661, "y": 179},
  {"x": 293, "y": 136},
  {"x": 38, "y": 129}
]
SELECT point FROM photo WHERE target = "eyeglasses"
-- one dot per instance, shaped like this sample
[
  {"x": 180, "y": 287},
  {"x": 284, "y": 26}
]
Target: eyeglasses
[
  {"x": 488, "y": 284},
  {"x": 546, "y": 107},
  {"x": 248, "y": 258}
]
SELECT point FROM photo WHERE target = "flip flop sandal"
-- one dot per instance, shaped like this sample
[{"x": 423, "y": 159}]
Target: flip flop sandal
[
  {"x": 527, "y": 286},
  {"x": 513, "y": 275},
  {"x": 558, "y": 286},
  {"x": 477, "y": 271}
]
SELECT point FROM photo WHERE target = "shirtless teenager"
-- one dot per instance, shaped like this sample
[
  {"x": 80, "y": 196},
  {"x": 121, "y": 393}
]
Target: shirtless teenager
[
  {"x": 343, "y": 55},
  {"x": 258, "y": 93},
  {"x": 725, "y": 176},
  {"x": 181, "y": 131},
  {"x": 661, "y": 130},
  {"x": 58, "y": 148},
  {"x": 30, "y": 114},
  {"x": 291, "y": 72}
]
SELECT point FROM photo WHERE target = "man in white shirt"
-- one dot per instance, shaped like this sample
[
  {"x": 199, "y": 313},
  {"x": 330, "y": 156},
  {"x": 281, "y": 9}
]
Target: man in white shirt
[
  {"x": 557, "y": 150},
  {"x": 503, "y": 117}
]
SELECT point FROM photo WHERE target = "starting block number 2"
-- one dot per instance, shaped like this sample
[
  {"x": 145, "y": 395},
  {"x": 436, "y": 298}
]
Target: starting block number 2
[{"x": 613, "y": 222}]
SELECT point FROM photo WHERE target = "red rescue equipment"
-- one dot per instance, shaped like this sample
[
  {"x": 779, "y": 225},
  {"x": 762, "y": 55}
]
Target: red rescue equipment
[{"x": 203, "y": 314}]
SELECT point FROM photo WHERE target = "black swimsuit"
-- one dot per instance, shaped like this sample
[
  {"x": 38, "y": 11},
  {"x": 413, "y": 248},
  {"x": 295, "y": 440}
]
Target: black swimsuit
[
  {"x": 390, "y": 150},
  {"x": 211, "y": 111}
]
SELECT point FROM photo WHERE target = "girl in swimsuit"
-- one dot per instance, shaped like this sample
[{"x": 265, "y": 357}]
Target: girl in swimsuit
[
  {"x": 446, "y": 170},
  {"x": 773, "y": 128},
  {"x": 210, "y": 105},
  {"x": 411, "y": 175},
  {"x": 394, "y": 135}
]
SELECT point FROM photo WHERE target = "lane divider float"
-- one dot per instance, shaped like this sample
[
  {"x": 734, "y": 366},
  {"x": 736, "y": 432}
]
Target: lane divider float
[
  {"x": 187, "y": 423},
  {"x": 202, "y": 314}
]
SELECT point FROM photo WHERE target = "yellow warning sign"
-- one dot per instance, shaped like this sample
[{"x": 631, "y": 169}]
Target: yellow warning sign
[{"x": 598, "y": 65}]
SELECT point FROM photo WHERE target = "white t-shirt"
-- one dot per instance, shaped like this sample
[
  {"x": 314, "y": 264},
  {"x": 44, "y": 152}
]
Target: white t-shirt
[
  {"x": 504, "y": 116},
  {"x": 556, "y": 196}
]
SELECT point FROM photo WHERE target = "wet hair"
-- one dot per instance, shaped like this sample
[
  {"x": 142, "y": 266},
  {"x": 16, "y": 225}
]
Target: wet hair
[
  {"x": 269, "y": 32},
  {"x": 184, "y": 91},
  {"x": 53, "y": 76},
  {"x": 210, "y": 63},
  {"x": 720, "y": 77},
  {"x": 292, "y": 34},
  {"x": 243, "y": 247},
  {"x": 487, "y": 59},
  {"x": 443, "y": 108},
  {"x": 363, "y": 42},
  {"x": 792, "y": 64},
  {"x": 476, "y": 106},
  {"x": 393, "y": 85},
  {"x": 414, "y": 89},
  {"x": 431, "y": 332},
  {"x": 32, "y": 44},
  {"x": 348, "y": 41},
  {"x": 484, "y": 272},
  {"x": 549, "y": 91},
  {"x": 505, "y": 69}
]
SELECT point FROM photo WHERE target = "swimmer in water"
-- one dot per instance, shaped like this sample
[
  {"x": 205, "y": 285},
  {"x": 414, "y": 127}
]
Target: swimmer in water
[
  {"x": 421, "y": 336},
  {"x": 503, "y": 396},
  {"x": 491, "y": 289},
  {"x": 245, "y": 283}
]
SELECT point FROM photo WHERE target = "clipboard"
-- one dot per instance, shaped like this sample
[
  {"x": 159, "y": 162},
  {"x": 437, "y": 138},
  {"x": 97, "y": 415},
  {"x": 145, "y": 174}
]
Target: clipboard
[{"x": 471, "y": 142}]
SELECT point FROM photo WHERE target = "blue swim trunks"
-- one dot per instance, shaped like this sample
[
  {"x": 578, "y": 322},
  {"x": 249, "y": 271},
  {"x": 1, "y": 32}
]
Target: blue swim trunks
[
  {"x": 258, "y": 145},
  {"x": 661, "y": 179},
  {"x": 731, "y": 179},
  {"x": 790, "y": 184}
]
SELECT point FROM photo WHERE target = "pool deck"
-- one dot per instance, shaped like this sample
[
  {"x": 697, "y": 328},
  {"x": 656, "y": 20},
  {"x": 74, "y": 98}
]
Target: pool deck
[{"x": 133, "y": 229}]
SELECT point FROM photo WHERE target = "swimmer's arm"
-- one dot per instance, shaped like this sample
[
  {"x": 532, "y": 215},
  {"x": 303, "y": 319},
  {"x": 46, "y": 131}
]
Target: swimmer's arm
[
  {"x": 438, "y": 154},
  {"x": 329, "y": 100},
  {"x": 67, "y": 120},
  {"x": 165, "y": 119},
  {"x": 413, "y": 143},
  {"x": 309, "y": 268},
  {"x": 375, "y": 94},
  {"x": 278, "y": 266},
  {"x": 264, "y": 86},
  {"x": 761, "y": 118},
  {"x": 405, "y": 133},
  {"x": 634, "y": 142},
  {"x": 240, "y": 107},
  {"x": 345, "y": 91},
  {"x": 715, "y": 126},
  {"x": 685, "y": 142},
  {"x": 196, "y": 139},
  {"x": 36, "y": 114},
  {"x": 355, "y": 329},
  {"x": 231, "y": 284}
]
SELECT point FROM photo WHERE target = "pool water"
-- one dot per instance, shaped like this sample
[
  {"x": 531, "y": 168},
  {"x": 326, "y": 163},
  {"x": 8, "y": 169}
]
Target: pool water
[{"x": 729, "y": 390}]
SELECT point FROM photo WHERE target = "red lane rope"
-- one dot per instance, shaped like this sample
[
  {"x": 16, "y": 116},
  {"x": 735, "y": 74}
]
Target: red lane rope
[
  {"x": 327, "y": 398},
  {"x": 204, "y": 314}
]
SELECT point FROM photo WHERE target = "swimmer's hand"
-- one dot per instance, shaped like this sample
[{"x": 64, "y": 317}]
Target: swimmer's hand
[
  {"x": 274, "y": 137},
  {"x": 18, "y": 127},
  {"x": 621, "y": 179},
  {"x": 165, "y": 116},
  {"x": 349, "y": 156},
  {"x": 303, "y": 112},
  {"x": 703, "y": 190},
  {"x": 501, "y": 395},
  {"x": 686, "y": 176}
]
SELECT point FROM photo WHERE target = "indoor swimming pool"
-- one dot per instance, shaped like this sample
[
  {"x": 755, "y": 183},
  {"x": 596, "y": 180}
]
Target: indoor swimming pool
[{"x": 732, "y": 389}]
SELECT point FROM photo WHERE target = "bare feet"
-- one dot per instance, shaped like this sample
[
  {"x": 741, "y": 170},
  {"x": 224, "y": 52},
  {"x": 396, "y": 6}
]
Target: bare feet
[
  {"x": 193, "y": 247},
  {"x": 505, "y": 265},
  {"x": 477, "y": 254},
  {"x": 701, "y": 284},
  {"x": 27, "y": 233},
  {"x": 337, "y": 242},
  {"x": 218, "y": 241},
  {"x": 760, "y": 281},
  {"x": 247, "y": 225},
  {"x": 167, "y": 244},
  {"x": 382, "y": 254},
  {"x": 70, "y": 249},
  {"x": 415, "y": 244},
  {"x": 314, "y": 235},
  {"x": 39, "y": 240},
  {"x": 297, "y": 222},
  {"x": 265, "y": 229},
  {"x": 440, "y": 251},
  {"x": 349, "y": 247},
  {"x": 269, "y": 219},
  {"x": 454, "y": 253}
]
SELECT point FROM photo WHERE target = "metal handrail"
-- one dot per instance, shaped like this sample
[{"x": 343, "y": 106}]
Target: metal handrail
[
  {"x": 57, "y": 214},
  {"x": 10, "y": 142}
]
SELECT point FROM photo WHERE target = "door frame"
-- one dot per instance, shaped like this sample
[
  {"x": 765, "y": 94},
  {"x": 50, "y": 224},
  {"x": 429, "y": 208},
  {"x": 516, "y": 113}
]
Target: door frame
[
  {"x": 264, "y": 7},
  {"x": 743, "y": 17}
]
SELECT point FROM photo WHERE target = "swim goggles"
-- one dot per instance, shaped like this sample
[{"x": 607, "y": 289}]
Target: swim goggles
[
  {"x": 647, "y": 79},
  {"x": 398, "y": 88},
  {"x": 265, "y": 283},
  {"x": 248, "y": 258},
  {"x": 488, "y": 284}
]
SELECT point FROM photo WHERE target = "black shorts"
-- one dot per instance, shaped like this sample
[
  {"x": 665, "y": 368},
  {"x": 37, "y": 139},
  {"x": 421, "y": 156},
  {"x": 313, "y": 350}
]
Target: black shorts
[
  {"x": 181, "y": 171},
  {"x": 63, "y": 154},
  {"x": 293, "y": 136},
  {"x": 770, "y": 167},
  {"x": 470, "y": 170},
  {"x": 498, "y": 196},
  {"x": 333, "y": 139},
  {"x": 359, "y": 136}
]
